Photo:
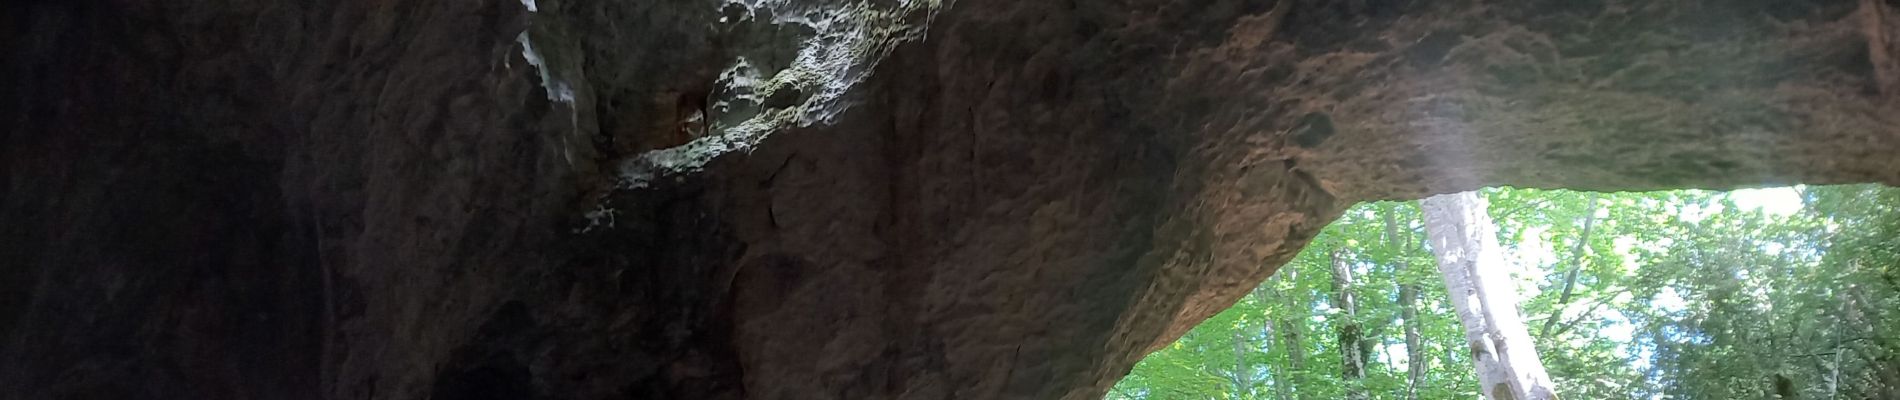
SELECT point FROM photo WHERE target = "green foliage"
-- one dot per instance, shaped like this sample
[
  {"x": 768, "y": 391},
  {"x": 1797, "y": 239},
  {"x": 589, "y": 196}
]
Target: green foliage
[{"x": 1681, "y": 294}]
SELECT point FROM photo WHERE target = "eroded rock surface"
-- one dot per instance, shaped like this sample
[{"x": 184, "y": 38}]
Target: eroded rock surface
[{"x": 784, "y": 199}]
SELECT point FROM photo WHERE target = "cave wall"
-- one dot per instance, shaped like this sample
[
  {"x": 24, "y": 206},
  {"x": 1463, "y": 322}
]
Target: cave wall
[{"x": 890, "y": 199}]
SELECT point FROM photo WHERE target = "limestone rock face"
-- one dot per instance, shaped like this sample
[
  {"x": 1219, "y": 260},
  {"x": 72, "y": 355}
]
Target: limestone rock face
[{"x": 811, "y": 199}]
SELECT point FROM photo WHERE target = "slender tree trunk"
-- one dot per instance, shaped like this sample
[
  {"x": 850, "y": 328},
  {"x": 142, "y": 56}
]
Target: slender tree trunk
[
  {"x": 1408, "y": 309},
  {"x": 1353, "y": 361},
  {"x": 1576, "y": 263},
  {"x": 1296, "y": 357},
  {"x": 1243, "y": 382},
  {"x": 1293, "y": 326},
  {"x": 1464, "y": 240},
  {"x": 1276, "y": 376}
]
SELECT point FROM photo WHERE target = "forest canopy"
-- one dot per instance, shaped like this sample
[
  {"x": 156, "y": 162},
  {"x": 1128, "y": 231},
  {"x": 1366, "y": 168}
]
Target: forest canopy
[{"x": 1762, "y": 293}]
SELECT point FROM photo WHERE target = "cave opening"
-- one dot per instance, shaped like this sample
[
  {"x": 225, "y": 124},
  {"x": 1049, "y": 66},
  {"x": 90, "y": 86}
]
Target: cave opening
[{"x": 1764, "y": 292}]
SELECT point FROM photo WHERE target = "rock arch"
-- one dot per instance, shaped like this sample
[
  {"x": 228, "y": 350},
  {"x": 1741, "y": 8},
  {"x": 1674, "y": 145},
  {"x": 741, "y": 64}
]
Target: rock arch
[{"x": 386, "y": 199}]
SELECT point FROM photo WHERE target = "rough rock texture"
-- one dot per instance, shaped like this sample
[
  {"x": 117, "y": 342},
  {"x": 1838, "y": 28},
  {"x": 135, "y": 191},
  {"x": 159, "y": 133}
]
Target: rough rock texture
[{"x": 808, "y": 199}]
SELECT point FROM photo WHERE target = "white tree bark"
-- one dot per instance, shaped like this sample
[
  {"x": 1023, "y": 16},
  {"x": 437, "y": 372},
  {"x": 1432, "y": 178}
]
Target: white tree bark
[
  {"x": 1351, "y": 337},
  {"x": 1464, "y": 240}
]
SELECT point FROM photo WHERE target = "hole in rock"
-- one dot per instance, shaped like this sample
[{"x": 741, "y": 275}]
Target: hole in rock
[{"x": 1787, "y": 292}]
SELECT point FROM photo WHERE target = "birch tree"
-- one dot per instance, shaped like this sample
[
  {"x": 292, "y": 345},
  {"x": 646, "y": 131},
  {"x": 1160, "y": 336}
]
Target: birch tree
[
  {"x": 1464, "y": 240},
  {"x": 1351, "y": 339}
]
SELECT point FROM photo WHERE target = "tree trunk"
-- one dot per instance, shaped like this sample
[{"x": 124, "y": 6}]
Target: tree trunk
[
  {"x": 1353, "y": 360},
  {"x": 1296, "y": 358},
  {"x": 1477, "y": 278},
  {"x": 1277, "y": 377},
  {"x": 1293, "y": 326},
  {"x": 1408, "y": 308},
  {"x": 1243, "y": 383}
]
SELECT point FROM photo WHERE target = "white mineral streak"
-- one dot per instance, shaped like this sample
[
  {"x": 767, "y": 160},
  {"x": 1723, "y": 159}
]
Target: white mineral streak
[
  {"x": 849, "y": 41},
  {"x": 557, "y": 89}
]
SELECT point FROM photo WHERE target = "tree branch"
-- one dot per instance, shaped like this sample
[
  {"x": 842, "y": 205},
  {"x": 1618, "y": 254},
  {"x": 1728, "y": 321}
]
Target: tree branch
[{"x": 1576, "y": 264}]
